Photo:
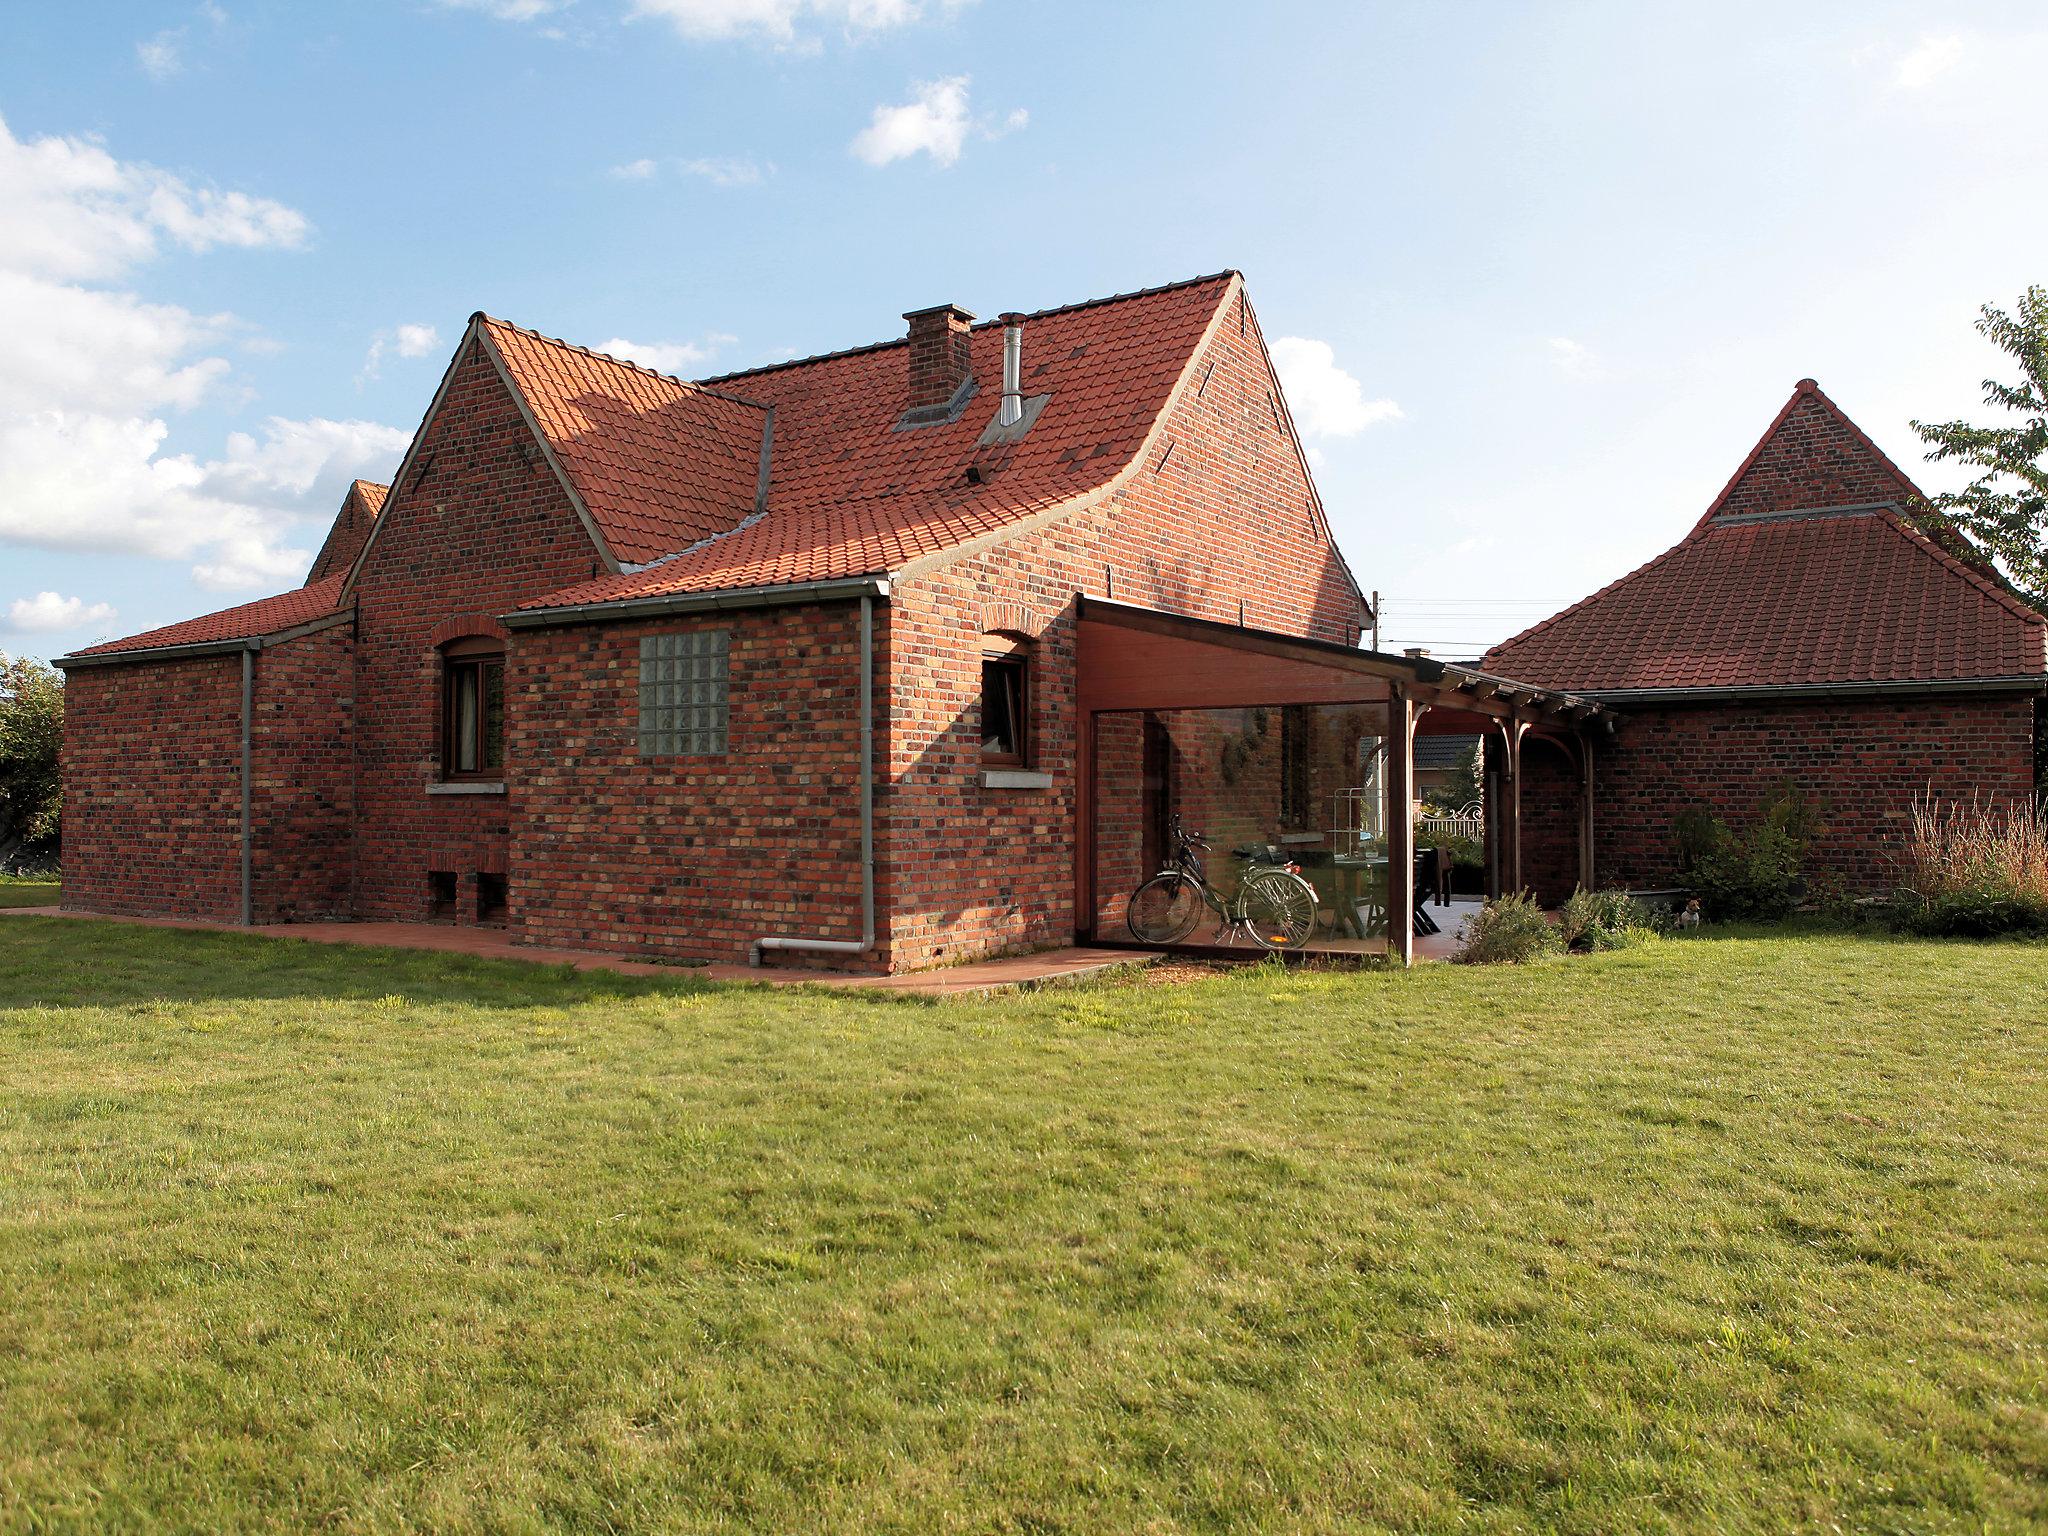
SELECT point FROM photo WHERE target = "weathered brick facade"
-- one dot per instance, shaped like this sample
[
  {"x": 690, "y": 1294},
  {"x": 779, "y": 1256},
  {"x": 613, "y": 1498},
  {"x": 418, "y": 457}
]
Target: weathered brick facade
[{"x": 153, "y": 788}]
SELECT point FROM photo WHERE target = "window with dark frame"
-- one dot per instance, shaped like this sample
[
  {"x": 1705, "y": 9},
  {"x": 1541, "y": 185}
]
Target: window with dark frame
[
  {"x": 473, "y": 710},
  {"x": 1295, "y": 810},
  {"x": 1005, "y": 709}
]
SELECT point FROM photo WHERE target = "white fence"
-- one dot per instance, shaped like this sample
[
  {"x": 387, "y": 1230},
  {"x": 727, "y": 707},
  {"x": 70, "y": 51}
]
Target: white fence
[{"x": 1469, "y": 822}]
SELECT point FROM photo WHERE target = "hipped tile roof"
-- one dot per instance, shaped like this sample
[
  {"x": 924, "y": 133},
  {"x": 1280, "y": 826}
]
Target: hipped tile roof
[{"x": 1805, "y": 570}]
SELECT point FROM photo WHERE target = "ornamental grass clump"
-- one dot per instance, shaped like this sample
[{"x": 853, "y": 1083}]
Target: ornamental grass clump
[
  {"x": 1592, "y": 920},
  {"x": 1509, "y": 930},
  {"x": 1976, "y": 870}
]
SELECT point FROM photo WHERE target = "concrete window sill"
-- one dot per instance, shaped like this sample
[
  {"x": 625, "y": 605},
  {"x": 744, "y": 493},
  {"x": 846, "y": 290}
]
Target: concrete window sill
[
  {"x": 1015, "y": 778},
  {"x": 468, "y": 787}
]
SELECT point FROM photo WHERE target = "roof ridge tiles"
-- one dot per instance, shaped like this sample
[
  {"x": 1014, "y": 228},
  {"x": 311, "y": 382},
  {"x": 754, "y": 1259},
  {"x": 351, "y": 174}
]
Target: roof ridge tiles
[
  {"x": 979, "y": 325},
  {"x": 697, "y": 385}
]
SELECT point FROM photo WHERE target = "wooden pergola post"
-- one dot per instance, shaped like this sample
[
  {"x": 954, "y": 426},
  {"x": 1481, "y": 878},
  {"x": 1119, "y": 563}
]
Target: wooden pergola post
[
  {"x": 1401, "y": 825},
  {"x": 1513, "y": 728}
]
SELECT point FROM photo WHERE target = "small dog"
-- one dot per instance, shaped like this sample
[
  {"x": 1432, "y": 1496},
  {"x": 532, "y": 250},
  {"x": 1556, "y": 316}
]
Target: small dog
[{"x": 1690, "y": 917}]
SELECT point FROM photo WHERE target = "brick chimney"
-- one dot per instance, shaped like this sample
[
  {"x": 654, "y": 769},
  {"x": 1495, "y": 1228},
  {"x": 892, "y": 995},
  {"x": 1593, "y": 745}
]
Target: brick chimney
[{"x": 938, "y": 353}]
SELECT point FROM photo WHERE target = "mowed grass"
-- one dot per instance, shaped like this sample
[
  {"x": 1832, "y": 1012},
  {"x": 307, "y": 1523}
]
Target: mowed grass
[
  {"x": 1738, "y": 1233},
  {"x": 24, "y": 892}
]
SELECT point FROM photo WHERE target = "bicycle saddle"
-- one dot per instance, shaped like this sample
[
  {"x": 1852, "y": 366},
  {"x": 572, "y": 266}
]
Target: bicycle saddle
[{"x": 1260, "y": 853}]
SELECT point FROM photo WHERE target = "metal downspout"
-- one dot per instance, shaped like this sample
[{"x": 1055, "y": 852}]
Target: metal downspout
[
  {"x": 248, "y": 711},
  {"x": 866, "y": 941}
]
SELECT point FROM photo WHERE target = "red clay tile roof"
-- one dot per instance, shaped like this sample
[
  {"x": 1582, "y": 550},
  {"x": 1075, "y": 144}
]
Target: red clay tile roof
[
  {"x": 265, "y": 616},
  {"x": 658, "y": 463},
  {"x": 851, "y": 494},
  {"x": 1804, "y": 570}
]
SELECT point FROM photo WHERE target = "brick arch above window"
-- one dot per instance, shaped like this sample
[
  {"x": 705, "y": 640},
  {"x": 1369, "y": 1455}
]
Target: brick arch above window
[
  {"x": 1012, "y": 619},
  {"x": 468, "y": 626}
]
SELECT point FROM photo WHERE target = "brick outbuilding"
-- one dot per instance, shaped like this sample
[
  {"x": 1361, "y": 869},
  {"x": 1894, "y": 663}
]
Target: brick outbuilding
[
  {"x": 699, "y": 669},
  {"x": 1806, "y": 631}
]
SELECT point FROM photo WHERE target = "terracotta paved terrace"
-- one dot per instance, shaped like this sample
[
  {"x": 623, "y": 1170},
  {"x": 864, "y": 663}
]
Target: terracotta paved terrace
[{"x": 1043, "y": 968}]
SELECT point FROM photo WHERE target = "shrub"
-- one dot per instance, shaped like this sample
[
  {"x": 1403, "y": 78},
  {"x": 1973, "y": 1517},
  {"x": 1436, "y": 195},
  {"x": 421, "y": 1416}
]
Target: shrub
[
  {"x": 1754, "y": 874},
  {"x": 1510, "y": 930},
  {"x": 1603, "y": 920},
  {"x": 1975, "y": 870}
]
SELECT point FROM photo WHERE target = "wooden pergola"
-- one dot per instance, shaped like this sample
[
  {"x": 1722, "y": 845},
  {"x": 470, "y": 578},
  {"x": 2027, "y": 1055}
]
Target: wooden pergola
[{"x": 1138, "y": 659}]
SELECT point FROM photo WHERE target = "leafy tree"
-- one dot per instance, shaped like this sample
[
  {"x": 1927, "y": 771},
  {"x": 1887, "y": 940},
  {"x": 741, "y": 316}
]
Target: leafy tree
[
  {"x": 1466, "y": 783},
  {"x": 2004, "y": 510},
  {"x": 31, "y": 736}
]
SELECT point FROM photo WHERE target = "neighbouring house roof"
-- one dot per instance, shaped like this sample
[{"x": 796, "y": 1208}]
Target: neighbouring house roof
[
  {"x": 351, "y": 529},
  {"x": 1440, "y": 752},
  {"x": 248, "y": 621},
  {"x": 1806, "y": 570},
  {"x": 851, "y": 493}
]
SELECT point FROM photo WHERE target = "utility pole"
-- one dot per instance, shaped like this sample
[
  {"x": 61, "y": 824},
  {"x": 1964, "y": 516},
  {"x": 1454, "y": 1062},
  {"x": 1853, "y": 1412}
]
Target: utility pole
[{"x": 1375, "y": 620}]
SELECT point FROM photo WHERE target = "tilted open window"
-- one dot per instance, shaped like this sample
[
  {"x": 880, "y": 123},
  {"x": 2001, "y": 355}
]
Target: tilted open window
[
  {"x": 1005, "y": 704},
  {"x": 473, "y": 709}
]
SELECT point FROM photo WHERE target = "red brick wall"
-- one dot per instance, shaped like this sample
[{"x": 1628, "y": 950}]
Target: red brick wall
[
  {"x": 302, "y": 786},
  {"x": 153, "y": 788},
  {"x": 1867, "y": 760},
  {"x": 690, "y": 856},
  {"x": 486, "y": 528},
  {"x": 1226, "y": 519},
  {"x": 1812, "y": 459},
  {"x": 1553, "y": 789}
]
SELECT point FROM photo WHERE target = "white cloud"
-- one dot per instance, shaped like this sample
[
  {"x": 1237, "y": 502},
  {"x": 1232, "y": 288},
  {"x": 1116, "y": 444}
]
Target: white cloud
[
  {"x": 1927, "y": 60},
  {"x": 725, "y": 172},
  {"x": 416, "y": 340},
  {"x": 777, "y": 21},
  {"x": 161, "y": 56},
  {"x": 679, "y": 358},
  {"x": 47, "y": 612},
  {"x": 508, "y": 10},
  {"x": 719, "y": 170},
  {"x": 89, "y": 482},
  {"x": 405, "y": 340},
  {"x": 933, "y": 122},
  {"x": 87, "y": 374},
  {"x": 1324, "y": 399},
  {"x": 70, "y": 210},
  {"x": 1574, "y": 359}
]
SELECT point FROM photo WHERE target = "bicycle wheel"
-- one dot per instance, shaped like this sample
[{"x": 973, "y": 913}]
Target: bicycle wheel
[
  {"x": 1278, "y": 909},
  {"x": 1164, "y": 909}
]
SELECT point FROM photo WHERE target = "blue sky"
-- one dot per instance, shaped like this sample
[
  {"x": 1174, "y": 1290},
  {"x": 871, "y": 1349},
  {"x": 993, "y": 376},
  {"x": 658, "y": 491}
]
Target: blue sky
[{"x": 1538, "y": 274}]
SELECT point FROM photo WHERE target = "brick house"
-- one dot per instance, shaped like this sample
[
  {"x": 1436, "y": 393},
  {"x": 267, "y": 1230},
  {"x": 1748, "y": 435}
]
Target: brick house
[
  {"x": 1805, "y": 630},
  {"x": 780, "y": 662}
]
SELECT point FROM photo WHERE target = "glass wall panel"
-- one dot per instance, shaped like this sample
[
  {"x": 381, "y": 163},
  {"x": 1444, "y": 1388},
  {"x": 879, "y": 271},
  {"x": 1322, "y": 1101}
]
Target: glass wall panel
[{"x": 1307, "y": 781}]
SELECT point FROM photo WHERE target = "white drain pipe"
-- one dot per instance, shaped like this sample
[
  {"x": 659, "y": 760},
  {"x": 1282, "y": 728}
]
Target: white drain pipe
[{"x": 866, "y": 941}]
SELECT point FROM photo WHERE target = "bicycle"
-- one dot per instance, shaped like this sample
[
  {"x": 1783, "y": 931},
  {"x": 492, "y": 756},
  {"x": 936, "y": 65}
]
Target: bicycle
[{"x": 1273, "y": 904}]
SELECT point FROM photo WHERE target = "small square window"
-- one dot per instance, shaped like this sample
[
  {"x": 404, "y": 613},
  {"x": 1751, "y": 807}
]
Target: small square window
[{"x": 683, "y": 693}]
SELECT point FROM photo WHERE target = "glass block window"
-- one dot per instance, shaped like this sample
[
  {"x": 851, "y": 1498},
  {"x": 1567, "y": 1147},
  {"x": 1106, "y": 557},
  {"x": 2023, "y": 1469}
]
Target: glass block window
[{"x": 683, "y": 694}]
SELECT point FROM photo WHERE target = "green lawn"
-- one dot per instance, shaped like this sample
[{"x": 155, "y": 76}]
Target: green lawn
[
  {"x": 1730, "y": 1233},
  {"x": 16, "y": 892}
]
